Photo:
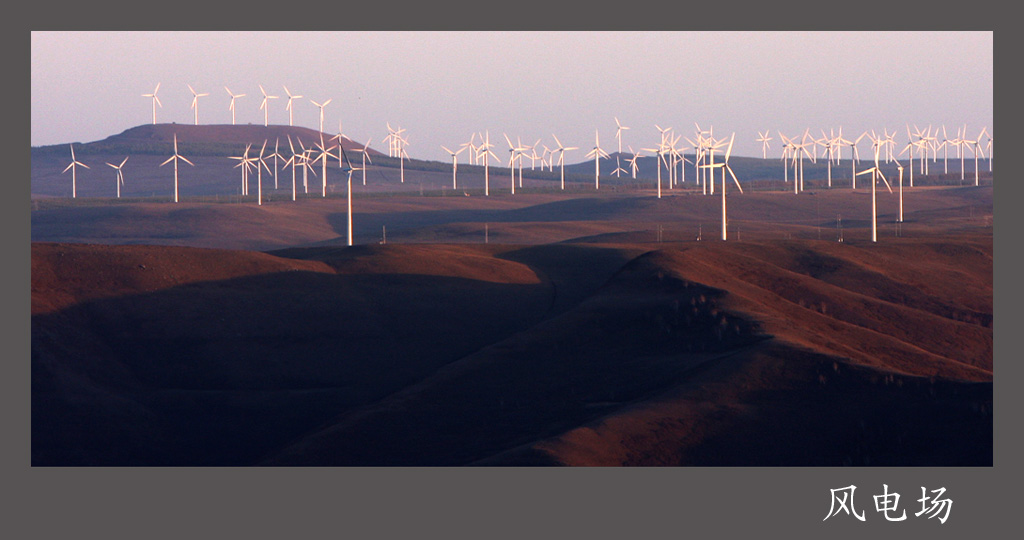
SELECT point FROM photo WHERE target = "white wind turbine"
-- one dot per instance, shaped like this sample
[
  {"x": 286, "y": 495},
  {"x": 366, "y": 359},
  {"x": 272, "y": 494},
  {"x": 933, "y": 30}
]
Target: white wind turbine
[
  {"x": 276, "y": 155},
  {"x": 340, "y": 137},
  {"x": 195, "y": 101},
  {"x": 325, "y": 152},
  {"x": 175, "y": 159},
  {"x": 632, "y": 162},
  {"x": 455, "y": 163},
  {"x": 900, "y": 168},
  {"x": 725, "y": 168},
  {"x": 73, "y": 166},
  {"x": 231, "y": 106},
  {"x": 156, "y": 101},
  {"x": 486, "y": 153},
  {"x": 829, "y": 151},
  {"x": 292, "y": 160},
  {"x": 402, "y": 154},
  {"x": 288, "y": 107},
  {"x": 763, "y": 139},
  {"x": 260, "y": 165},
  {"x": 855, "y": 158},
  {"x": 321, "y": 107},
  {"x": 365, "y": 151},
  {"x": 305, "y": 161},
  {"x": 944, "y": 145},
  {"x": 659, "y": 153},
  {"x": 988, "y": 148},
  {"x": 976, "y": 149},
  {"x": 618, "y": 136},
  {"x": 120, "y": 175},
  {"x": 245, "y": 163},
  {"x": 597, "y": 153},
  {"x": 909, "y": 149},
  {"x": 561, "y": 157},
  {"x": 875, "y": 174},
  {"x": 515, "y": 151},
  {"x": 348, "y": 170},
  {"x": 265, "y": 107}
]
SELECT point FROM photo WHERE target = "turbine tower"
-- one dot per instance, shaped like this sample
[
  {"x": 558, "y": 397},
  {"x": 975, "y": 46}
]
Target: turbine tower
[
  {"x": 195, "y": 101},
  {"x": 725, "y": 167},
  {"x": 73, "y": 166},
  {"x": 231, "y": 106},
  {"x": 156, "y": 101},
  {"x": 175, "y": 159}
]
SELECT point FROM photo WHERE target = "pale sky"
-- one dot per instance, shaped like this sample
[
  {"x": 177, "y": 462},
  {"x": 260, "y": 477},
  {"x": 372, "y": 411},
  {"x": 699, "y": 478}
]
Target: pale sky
[{"x": 443, "y": 86}]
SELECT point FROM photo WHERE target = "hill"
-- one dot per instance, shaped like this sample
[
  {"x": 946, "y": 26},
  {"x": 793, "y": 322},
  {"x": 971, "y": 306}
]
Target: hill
[{"x": 573, "y": 354}]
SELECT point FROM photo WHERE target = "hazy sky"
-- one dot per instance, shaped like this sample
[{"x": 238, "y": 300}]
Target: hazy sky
[{"x": 444, "y": 86}]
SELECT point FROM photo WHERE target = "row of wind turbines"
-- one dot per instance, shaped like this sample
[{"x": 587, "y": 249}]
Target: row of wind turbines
[
  {"x": 670, "y": 156},
  {"x": 264, "y": 104}
]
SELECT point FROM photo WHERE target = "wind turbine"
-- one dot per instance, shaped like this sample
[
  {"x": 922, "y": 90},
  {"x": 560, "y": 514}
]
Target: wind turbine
[
  {"x": 598, "y": 153},
  {"x": 366, "y": 155},
  {"x": 321, "y": 107},
  {"x": 293, "y": 161},
  {"x": 175, "y": 159},
  {"x": 288, "y": 107},
  {"x": 195, "y": 102},
  {"x": 618, "y": 132},
  {"x": 618, "y": 136},
  {"x": 455, "y": 163},
  {"x": 856, "y": 158},
  {"x": 120, "y": 174},
  {"x": 276, "y": 155},
  {"x": 875, "y": 174},
  {"x": 156, "y": 101},
  {"x": 73, "y": 166},
  {"x": 265, "y": 107},
  {"x": 322, "y": 158},
  {"x": 659, "y": 153},
  {"x": 486, "y": 153},
  {"x": 764, "y": 138},
  {"x": 632, "y": 162},
  {"x": 339, "y": 137},
  {"x": 828, "y": 151},
  {"x": 260, "y": 165},
  {"x": 348, "y": 190},
  {"x": 515, "y": 151},
  {"x": 725, "y": 167},
  {"x": 245, "y": 162},
  {"x": 976, "y": 150},
  {"x": 561, "y": 157},
  {"x": 909, "y": 149},
  {"x": 232, "y": 104}
]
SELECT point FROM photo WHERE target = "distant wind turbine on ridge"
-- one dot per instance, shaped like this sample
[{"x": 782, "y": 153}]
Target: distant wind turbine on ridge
[
  {"x": 73, "y": 166},
  {"x": 288, "y": 107},
  {"x": 156, "y": 101},
  {"x": 266, "y": 107},
  {"x": 231, "y": 106},
  {"x": 195, "y": 101},
  {"x": 175, "y": 159}
]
